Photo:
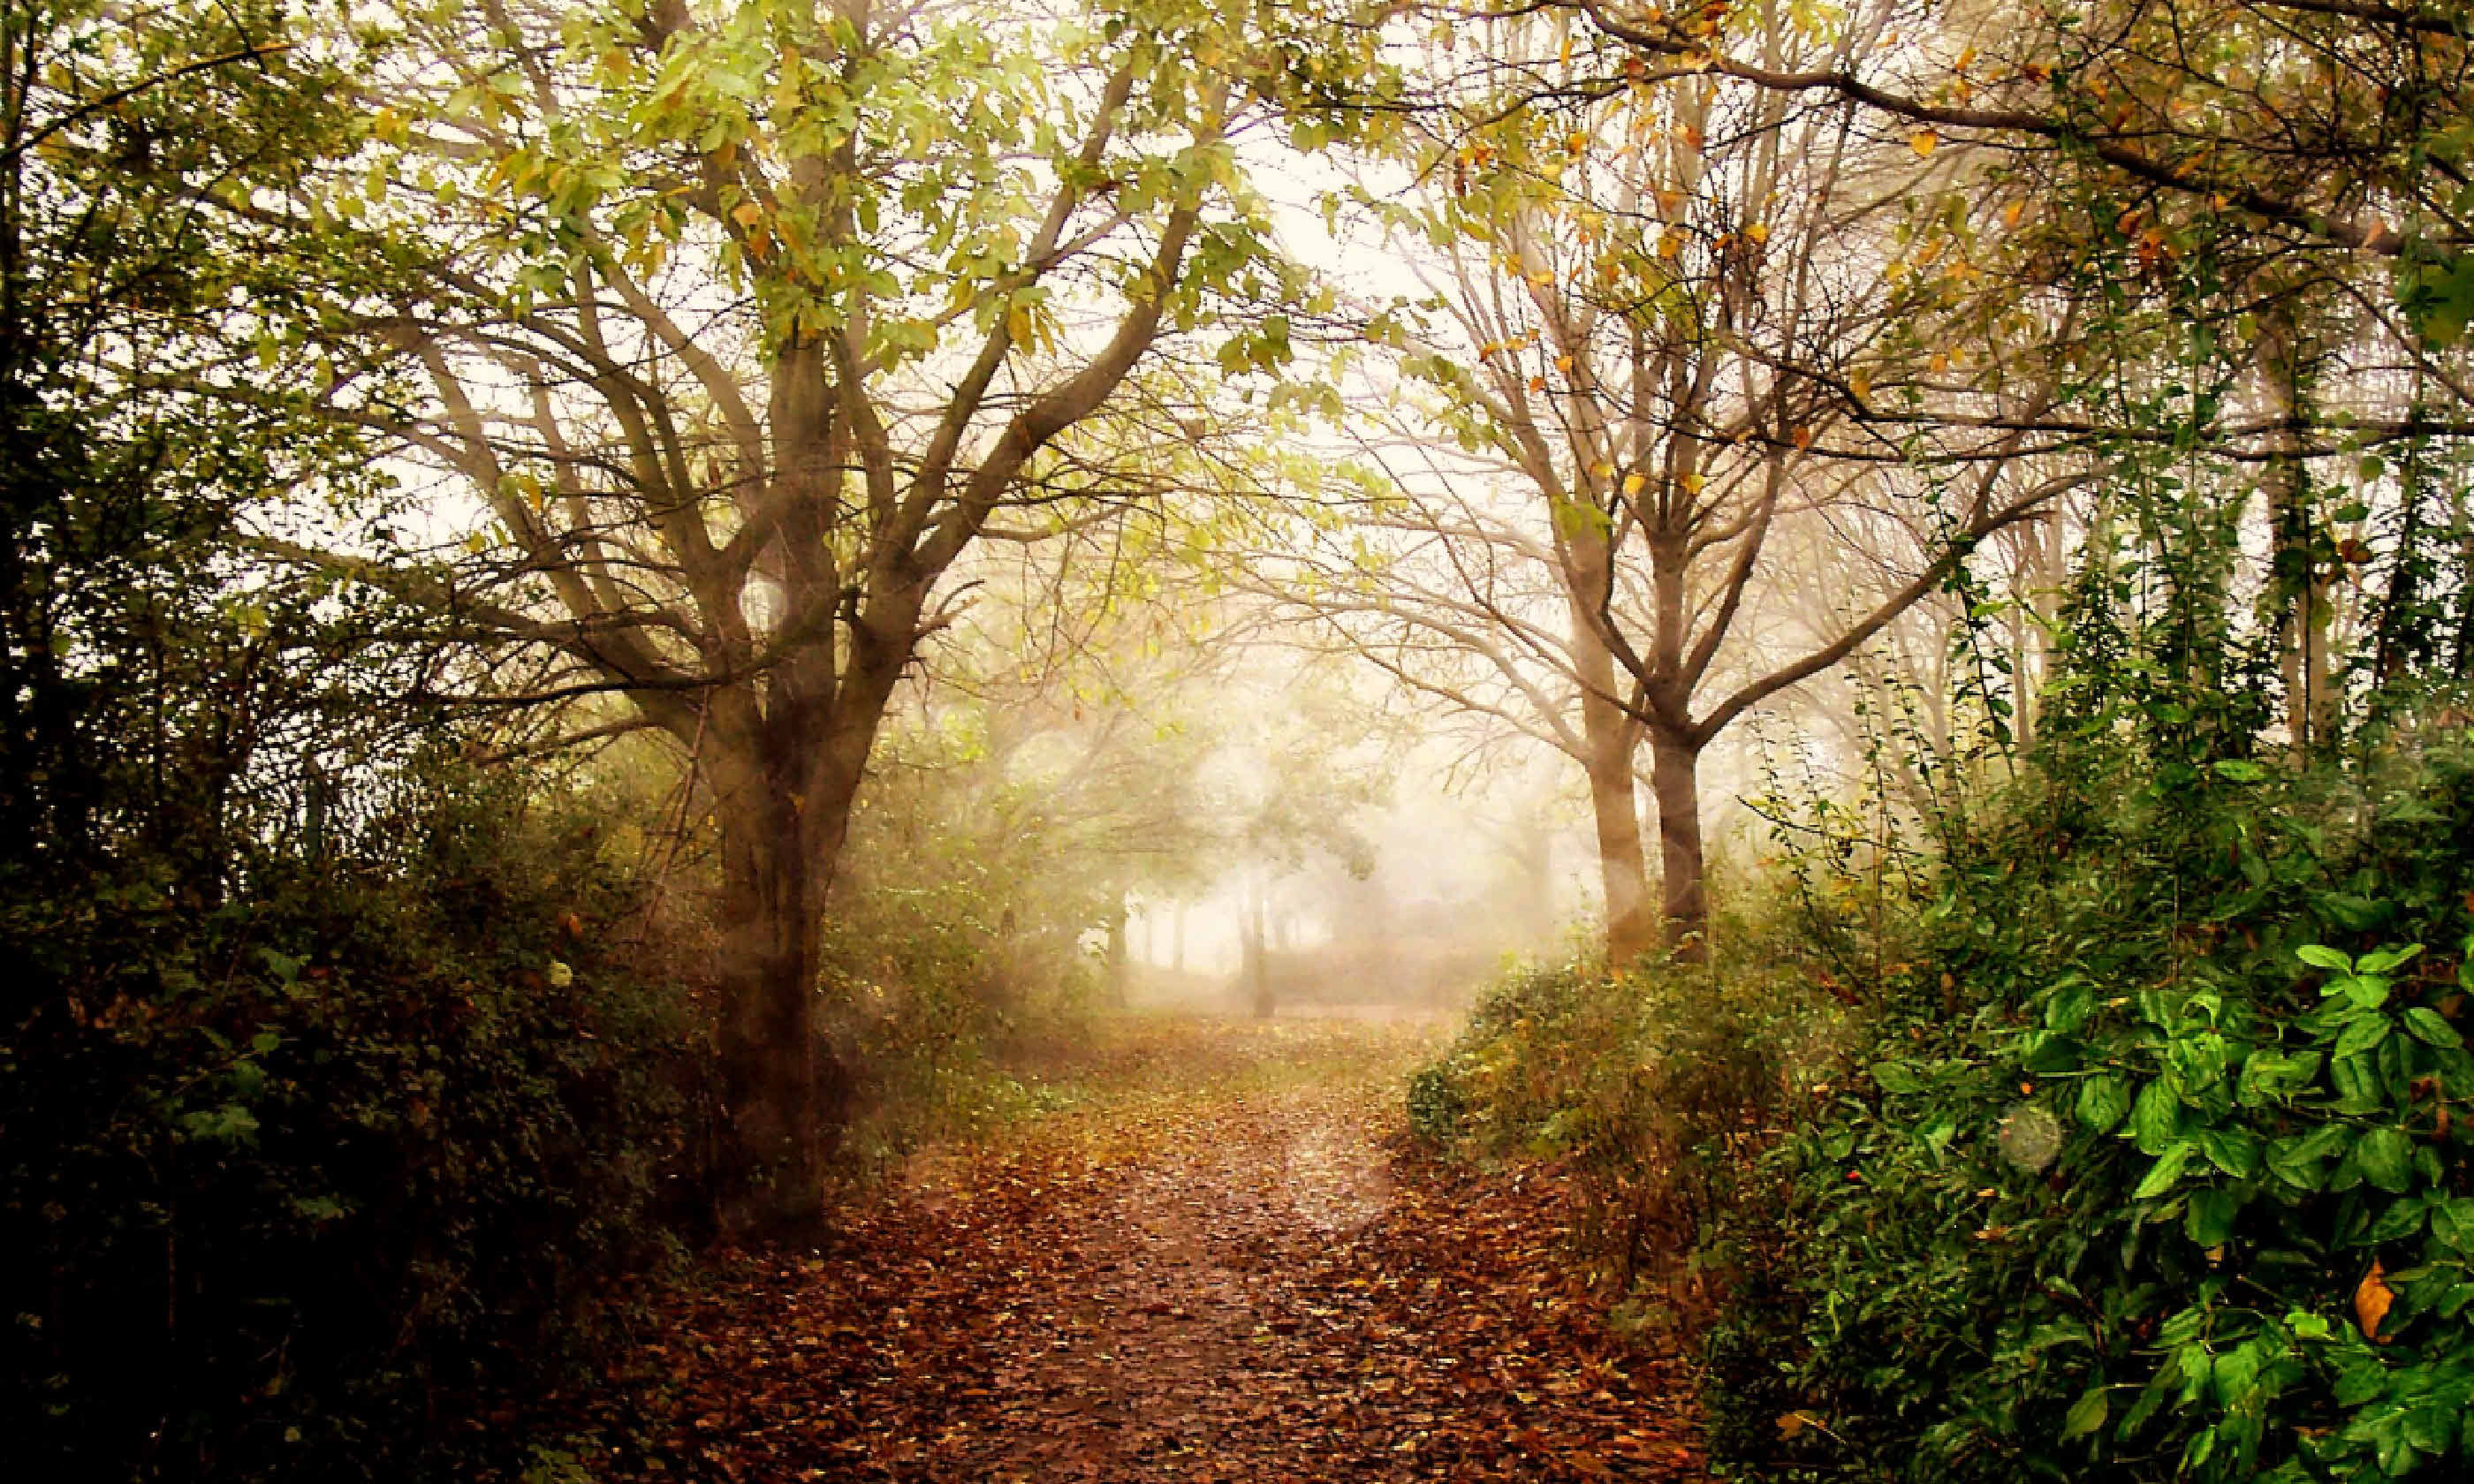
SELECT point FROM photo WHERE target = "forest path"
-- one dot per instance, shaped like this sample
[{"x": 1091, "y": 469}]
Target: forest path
[{"x": 1223, "y": 1267}]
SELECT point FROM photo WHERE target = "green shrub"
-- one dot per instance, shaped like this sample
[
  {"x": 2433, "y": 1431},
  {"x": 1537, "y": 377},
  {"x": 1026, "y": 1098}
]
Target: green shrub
[
  {"x": 2153, "y": 1167},
  {"x": 1655, "y": 1089},
  {"x": 290, "y": 1170}
]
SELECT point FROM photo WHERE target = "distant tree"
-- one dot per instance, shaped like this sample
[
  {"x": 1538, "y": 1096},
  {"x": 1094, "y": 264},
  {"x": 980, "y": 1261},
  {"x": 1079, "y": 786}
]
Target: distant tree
[{"x": 1652, "y": 306}]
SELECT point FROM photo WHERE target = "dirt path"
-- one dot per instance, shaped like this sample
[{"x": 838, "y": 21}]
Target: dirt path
[{"x": 1237, "y": 1281}]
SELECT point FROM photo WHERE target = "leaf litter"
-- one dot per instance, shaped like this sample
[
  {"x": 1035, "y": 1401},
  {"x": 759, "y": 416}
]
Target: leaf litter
[{"x": 1243, "y": 1278}]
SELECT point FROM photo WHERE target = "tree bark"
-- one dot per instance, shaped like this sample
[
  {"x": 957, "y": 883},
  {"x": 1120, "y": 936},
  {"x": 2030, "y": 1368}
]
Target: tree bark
[
  {"x": 1613, "y": 739},
  {"x": 781, "y": 1085},
  {"x": 2297, "y": 584},
  {"x": 1675, "y": 780}
]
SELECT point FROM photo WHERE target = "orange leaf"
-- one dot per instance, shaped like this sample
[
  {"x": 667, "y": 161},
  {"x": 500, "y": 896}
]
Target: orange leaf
[
  {"x": 1924, "y": 141},
  {"x": 2372, "y": 1300}
]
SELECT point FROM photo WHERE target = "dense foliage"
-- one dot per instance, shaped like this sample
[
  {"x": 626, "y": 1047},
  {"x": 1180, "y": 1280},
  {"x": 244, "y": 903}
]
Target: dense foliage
[{"x": 288, "y": 1169}]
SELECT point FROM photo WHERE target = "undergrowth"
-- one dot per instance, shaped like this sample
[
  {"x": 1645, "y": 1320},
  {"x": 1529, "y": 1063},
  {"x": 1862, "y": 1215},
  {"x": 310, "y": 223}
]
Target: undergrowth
[{"x": 2143, "y": 1156}]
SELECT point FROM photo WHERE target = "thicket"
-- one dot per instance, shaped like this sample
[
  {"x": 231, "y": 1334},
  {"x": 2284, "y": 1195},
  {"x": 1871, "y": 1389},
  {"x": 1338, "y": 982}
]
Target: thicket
[
  {"x": 2112, "y": 1129},
  {"x": 293, "y": 1167},
  {"x": 2149, "y": 1166},
  {"x": 2144, "y": 1157}
]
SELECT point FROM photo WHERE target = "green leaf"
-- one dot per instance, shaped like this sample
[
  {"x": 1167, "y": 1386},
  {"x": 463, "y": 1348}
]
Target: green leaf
[
  {"x": 2087, "y": 1414},
  {"x": 1896, "y": 1077},
  {"x": 2453, "y": 1224},
  {"x": 2209, "y": 1220},
  {"x": 2239, "y": 771},
  {"x": 2385, "y": 1157},
  {"x": 2161, "y": 1174},
  {"x": 2427, "y": 1026},
  {"x": 2365, "y": 1032},
  {"x": 2387, "y": 959},
  {"x": 2155, "y": 1117},
  {"x": 2297, "y": 1160},
  {"x": 2104, "y": 1103},
  {"x": 2319, "y": 956}
]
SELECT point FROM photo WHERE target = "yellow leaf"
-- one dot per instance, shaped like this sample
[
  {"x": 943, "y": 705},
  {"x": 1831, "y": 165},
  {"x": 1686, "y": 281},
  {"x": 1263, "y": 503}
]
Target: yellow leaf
[
  {"x": 1537, "y": 383},
  {"x": 2010, "y": 213},
  {"x": 1669, "y": 244},
  {"x": 1759, "y": 231},
  {"x": 1861, "y": 382},
  {"x": 1563, "y": 363},
  {"x": 1924, "y": 142},
  {"x": 1692, "y": 484},
  {"x": 1634, "y": 483},
  {"x": 747, "y": 213},
  {"x": 2372, "y": 1300},
  {"x": 1577, "y": 142}
]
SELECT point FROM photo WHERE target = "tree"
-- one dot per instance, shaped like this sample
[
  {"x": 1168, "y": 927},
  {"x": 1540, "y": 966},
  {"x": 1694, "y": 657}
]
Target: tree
[
  {"x": 1655, "y": 311},
  {"x": 745, "y": 324}
]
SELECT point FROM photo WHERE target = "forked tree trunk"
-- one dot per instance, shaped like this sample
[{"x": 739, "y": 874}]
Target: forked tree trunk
[{"x": 1675, "y": 780}]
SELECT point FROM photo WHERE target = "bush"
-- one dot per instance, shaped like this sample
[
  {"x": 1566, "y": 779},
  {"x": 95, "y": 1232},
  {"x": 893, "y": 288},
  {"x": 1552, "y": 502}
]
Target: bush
[
  {"x": 1654, "y": 1088},
  {"x": 292, "y": 1165},
  {"x": 2153, "y": 1167}
]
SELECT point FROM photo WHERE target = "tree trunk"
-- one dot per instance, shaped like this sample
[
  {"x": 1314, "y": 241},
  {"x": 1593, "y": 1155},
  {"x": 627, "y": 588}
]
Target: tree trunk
[
  {"x": 1258, "y": 968},
  {"x": 774, "y": 1119},
  {"x": 786, "y": 771},
  {"x": 1118, "y": 968},
  {"x": 2297, "y": 583},
  {"x": 1613, "y": 739},
  {"x": 1674, "y": 779}
]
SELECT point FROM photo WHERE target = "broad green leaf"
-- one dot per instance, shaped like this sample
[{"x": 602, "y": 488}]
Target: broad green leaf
[
  {"x": 2427, "y": 1026},
  {"x": 2087, "y": 1414},
  {"x": 2155, "y": 1117},
  {"x": 2103, "y": 1102},
  {"x": 2161, "y": 1174},
  {"x": 2209, "y": 1219},
  {"x": 1896, "y": 1077},
  {"x": 2385, "y": 1157}
]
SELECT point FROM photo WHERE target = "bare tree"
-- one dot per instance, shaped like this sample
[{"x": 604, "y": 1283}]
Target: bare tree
[{"x": 1658, "y": 307}]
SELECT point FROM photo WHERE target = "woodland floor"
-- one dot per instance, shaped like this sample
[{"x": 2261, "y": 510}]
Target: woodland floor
[{"x": 1222, "y": 1264}]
